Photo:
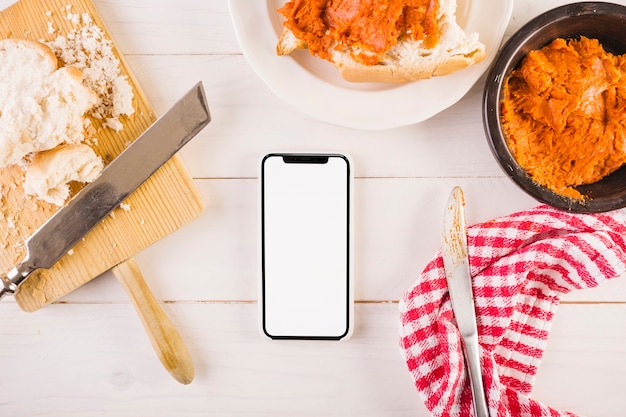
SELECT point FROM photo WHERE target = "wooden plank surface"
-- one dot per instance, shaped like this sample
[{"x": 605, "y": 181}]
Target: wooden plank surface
[
  {"x": 90, "y": 359},
  {"x": 165, "y": 202}
]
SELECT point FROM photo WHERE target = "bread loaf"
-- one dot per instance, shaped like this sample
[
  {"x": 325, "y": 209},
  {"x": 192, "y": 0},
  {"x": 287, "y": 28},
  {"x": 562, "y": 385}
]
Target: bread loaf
[
  {"x": 41, "y": 105},
  {"x": 381, "y": 41}
]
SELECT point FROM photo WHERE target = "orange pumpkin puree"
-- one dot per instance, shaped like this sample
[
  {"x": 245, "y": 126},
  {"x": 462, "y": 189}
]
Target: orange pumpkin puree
[
  {"x": 373, "y": 26},
  {"x": 564, "y": 114}
]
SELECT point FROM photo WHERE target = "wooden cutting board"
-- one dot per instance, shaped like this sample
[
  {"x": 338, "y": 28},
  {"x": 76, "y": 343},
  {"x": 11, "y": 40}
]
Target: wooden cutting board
[{"x": 168, "y": 200}]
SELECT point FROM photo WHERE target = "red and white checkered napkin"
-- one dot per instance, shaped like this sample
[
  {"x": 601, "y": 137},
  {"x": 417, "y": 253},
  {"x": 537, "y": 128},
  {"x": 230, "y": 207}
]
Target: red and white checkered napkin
[{"x": 521, "y": 264}]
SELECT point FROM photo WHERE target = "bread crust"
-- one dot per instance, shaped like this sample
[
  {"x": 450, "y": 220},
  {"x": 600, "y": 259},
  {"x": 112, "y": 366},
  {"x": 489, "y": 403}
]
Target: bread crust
[
  {"x": 74, "y": 73},
  {"x": 399, "y": 74},
  {"x": 287, "y": 43}
]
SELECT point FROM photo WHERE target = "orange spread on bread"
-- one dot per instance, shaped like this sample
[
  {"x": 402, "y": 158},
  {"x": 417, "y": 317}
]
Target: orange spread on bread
[
  {"x": 373, "y": 26},
  {"x": 564, "y": 114}
]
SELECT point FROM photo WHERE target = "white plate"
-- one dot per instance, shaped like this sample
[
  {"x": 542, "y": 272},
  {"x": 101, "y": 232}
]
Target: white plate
[{"x": 315, "y": 87}]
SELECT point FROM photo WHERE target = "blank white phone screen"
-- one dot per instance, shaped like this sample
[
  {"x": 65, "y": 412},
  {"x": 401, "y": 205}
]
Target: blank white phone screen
[{"x": 305, "y": 248}]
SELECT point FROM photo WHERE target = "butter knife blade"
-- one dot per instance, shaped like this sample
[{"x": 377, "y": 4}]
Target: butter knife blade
[
  {"x": 459, "y": 279},
  {"x": 117, "y": 181}
]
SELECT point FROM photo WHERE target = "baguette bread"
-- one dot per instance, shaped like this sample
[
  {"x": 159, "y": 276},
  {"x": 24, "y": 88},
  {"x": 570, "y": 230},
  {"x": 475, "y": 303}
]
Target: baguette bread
[
  {"x": 41, "y": 105},
  {"x": 441, "y": 47}
]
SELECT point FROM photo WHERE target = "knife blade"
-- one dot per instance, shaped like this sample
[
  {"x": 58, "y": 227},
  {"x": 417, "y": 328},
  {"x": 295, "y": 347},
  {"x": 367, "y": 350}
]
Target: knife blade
[
  {"x": 118, "y": 180},
  {"x": 459, "y": 279}
]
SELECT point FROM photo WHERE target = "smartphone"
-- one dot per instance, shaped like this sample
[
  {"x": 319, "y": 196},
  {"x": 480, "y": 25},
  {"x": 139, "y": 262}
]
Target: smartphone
[{"x": 306, "y": 224}]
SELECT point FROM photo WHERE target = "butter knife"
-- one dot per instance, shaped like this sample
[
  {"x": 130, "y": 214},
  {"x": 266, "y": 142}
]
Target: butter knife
[
  {"x": 118, "y": 180},
  {"x": 459, "y": 279}
]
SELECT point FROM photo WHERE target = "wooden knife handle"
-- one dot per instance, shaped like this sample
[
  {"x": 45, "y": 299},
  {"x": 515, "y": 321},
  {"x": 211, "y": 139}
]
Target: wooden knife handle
[{"x": 165, "y": 339}]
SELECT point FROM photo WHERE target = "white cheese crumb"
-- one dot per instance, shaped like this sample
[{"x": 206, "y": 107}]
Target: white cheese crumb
[
  {"x": 125, "y": 206},
  {"x": 70, "y": 252}
]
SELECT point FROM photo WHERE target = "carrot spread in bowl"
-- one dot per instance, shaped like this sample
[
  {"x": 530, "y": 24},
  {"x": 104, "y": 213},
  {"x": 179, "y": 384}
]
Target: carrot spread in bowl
[
  {"x": 564, "y": 114},
  {"x": 369, "y": 27}
]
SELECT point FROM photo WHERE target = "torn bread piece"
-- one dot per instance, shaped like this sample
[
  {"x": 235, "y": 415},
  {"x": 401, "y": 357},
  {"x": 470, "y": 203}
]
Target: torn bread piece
[
  {"x": 388, "y": 41},
  {"x": 49, "y": 174},
  {"x": 87, "y": 48},
  {"x": 41, "y": 105}
]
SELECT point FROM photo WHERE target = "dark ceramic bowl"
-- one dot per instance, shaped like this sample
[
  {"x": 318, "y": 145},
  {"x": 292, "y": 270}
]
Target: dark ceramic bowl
[{"x": 603, "y": 21}]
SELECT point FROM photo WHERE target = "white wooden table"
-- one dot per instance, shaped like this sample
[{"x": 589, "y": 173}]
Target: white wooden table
[{"x": 88, "y": 354}]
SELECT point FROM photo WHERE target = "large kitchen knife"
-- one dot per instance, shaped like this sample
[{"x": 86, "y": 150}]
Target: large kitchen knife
[
  {"x": 459, "y": 279},
  {"x": 118, "y": 180}
]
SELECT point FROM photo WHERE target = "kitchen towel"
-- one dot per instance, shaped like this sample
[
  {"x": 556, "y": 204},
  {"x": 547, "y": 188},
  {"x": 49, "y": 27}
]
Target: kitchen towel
[{"x": 521, "y": 264}]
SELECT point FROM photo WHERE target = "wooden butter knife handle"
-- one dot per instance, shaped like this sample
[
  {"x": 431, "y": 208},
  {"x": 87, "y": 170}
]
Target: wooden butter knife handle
[{"x": 165, "y": 339}]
